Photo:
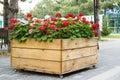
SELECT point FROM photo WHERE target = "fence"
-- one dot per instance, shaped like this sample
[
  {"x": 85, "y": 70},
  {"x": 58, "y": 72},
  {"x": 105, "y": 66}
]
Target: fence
[
  {"x": 114, "y": 22},
  {"x": 1, "y": 21},
  {"x": 4, "y": 41}
]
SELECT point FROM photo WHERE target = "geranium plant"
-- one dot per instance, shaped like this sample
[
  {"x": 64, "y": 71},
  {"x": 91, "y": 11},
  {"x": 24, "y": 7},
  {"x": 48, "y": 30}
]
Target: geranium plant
[{"x": 71, "y": 26}]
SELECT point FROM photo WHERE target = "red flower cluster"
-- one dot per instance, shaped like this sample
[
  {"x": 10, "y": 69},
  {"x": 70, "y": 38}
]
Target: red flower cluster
[
  {"x": 70, "y": 15},
  {"x": 65, "y": 23},
  {"x": 96, "y": 33},
  {"x": 13, "y": 21},
  {"x": 55, "y": 23},
  {"x": 94, "y": 28},
  {"x": 29, "y": 15},
  {"x": 58, "y": 15},
  {"x": 6, "y": 28}
]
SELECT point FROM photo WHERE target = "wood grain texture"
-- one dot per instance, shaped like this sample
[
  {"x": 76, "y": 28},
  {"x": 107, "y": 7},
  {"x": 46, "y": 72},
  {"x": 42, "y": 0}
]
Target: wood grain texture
[
  {"x": 78, "y": 43},
  {"x": 57, "y": 57},
  {"x": 53, "y": 55},
  {"x": 77, "y": 64},
  {"x": 78, "y": 53},
  {"x": 57, "y": 44},
  {"x": 31, "y": 43},
  {"x": 37, "y": 65}
]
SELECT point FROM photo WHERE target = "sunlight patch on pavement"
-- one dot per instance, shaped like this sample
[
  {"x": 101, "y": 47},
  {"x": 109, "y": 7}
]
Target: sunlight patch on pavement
[
  {"x": 108, "y": 74},
  {"x": 5, "y": 75}
]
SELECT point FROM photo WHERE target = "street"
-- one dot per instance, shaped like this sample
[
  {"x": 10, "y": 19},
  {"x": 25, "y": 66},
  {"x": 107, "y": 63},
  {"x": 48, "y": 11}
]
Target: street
[{"x": 107, "y": 68}]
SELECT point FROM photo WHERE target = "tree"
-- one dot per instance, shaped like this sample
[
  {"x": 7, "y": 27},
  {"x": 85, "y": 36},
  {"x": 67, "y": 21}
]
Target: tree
[
  {"x": 10, "y": 10},
  {"x": 45, "y": 7},
  {"x": 20, "y": 14},
  {"x": 63, "y": 6},
  {"x": 105, "y": 28},
  {"x": 6, "y": 12},
  {"x": 87, "y": 8},
  {"x": 96, "y": 14},
  {"x": 13, "y": 8},
  {"x": 109, "y": 4}
]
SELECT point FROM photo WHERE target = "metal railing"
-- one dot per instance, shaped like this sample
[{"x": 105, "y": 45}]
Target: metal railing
[
  {"x": 4, "y": 42},
  {"x": 115, "y": 29}
]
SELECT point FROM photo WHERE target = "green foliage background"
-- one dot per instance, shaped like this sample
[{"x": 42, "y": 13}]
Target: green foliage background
[
  {"x": 71, "y": 6},
  {"x": 105, "y": 28}
]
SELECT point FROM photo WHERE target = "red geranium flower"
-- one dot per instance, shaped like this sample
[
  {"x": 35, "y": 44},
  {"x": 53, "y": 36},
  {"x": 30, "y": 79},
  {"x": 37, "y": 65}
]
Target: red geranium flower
[
  {"x": 41, "y": 28},
  {"x": 81, "y": 14},
  {"x": 57, "y": 29},
  {"x": 36, "y": 21},
  {"x": 66, "y": 16},
  {"x": 58, "y": 15},
  {"x": 65, "y": 23},
  {"x": 53, "y": 19},
  {"x": 12, "y": 25},
  {"x": 6, "y": 28},
  {"x": 45, "y": 25},
  {"x": 32, "y": 26},
  {"x": 29, "y": 15},
  {"x": 96, "y": 33},
  {"x": 77, "y": 18},
  {"x": 95, "y": 26},
  {"x": 91, "y": 22},
  {"x": 71, "y": 15},
  {"x": 26, "y": 19},
  {"x": 52, "y": 26},
  {"x": 87, "y": 22},
  {"x": 13, "y": 20},
  {"x": 83, "y": 19}
]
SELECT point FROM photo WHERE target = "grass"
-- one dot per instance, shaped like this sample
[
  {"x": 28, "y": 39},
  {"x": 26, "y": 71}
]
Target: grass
[
  {"x": 112, "y": 36},
  {"x": 4, "y": 53}
]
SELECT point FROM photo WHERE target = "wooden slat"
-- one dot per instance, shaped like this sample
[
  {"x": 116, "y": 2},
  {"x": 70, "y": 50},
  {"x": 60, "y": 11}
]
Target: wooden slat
[
  {"x": 56, "y": 43},
  {"x": 31, "y": 43},
  {"x": 78, "y": 43},
  {"x": 58, "y": 57},
  {"x": 77, "y": 64},
  {"x": 15, "y": 63},
  {"x": 37, "y": 65},
  {"x": 53, "y": 55},
  {"x": 78, "y": 53}
]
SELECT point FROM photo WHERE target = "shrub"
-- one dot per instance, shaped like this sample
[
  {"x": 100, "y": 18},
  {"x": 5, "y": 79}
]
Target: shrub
[
  {"x": 105, "y": 28},
  {"x": 72, "y": 26}
]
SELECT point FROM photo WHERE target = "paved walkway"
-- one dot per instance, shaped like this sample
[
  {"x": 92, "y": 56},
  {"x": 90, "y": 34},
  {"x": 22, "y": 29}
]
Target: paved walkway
[{"x": 108, "y": 67}]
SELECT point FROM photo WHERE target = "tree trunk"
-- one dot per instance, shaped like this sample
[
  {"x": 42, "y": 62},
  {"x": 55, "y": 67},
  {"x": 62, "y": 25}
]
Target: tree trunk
[
  {"x": 10, "y": 11},
  {"x": 6, "y": 13},
  {"x": 13, "y": 8},
  {"x": 97, "y": 11},
  {"x": 96, "y": 14}
]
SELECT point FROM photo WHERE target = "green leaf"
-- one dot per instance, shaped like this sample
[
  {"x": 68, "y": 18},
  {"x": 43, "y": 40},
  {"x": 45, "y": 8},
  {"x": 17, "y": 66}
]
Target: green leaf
[
  {"x": 44, "y": 38},
  {"x": 73, "y": 37},
  {"x": 23, "y": 38},
  {"x": 38, "y": 39}
]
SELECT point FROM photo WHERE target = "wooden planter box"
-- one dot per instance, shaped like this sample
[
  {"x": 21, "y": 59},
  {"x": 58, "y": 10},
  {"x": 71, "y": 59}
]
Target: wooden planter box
[{"x": 57, "y": 57}]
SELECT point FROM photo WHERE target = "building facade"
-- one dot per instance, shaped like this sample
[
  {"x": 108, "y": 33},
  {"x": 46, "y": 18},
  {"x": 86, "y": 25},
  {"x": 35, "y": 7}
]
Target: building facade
[{"x": 1, "y": 21}]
